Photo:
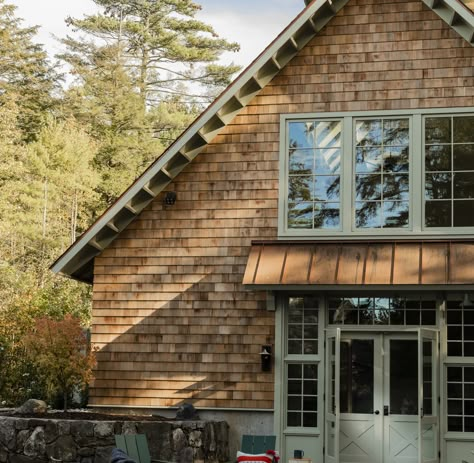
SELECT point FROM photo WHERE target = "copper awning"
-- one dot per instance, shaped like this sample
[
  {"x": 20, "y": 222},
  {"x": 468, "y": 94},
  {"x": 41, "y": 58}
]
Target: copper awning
[{"x": 425, "y": 263}]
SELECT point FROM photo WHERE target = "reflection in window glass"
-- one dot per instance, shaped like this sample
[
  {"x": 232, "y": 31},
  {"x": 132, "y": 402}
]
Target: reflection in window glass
[
  {"x": 449, "y": 171},
  {"x": 314, "y": 163},
  {"x": 382, "y": 173},
  {"x": 382, "y": 311},
  {"x": 303, "y": 326},
  {"x": 460, "y": 388},
  {"x": 357, "y": 376}
]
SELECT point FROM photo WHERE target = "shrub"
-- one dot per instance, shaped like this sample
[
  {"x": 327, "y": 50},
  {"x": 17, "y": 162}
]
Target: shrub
[{"x": 60, "y": 351}]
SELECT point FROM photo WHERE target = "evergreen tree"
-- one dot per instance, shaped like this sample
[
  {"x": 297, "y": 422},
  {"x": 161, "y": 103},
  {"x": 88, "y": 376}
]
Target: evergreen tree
[
  {"x": 106, "y": 103},
  {"x": 25, "y": 72},
  {"x": 164, "y": 46}
]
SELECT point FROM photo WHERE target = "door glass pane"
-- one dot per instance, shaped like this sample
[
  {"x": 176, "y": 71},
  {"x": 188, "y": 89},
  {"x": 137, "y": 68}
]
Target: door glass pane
[
  {"x": 332, "y": 377},
  {"x": 331, "y": 403},
  {"x": 427, "y": 377},
  {"x": 357, "y": 376},
  {"x": 403, "y": 377}
]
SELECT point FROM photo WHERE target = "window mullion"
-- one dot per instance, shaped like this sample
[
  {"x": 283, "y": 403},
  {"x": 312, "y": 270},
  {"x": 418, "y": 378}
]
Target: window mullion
[
  {"x": 417, "y": 172},
  {"x": 347, "y": 205}
]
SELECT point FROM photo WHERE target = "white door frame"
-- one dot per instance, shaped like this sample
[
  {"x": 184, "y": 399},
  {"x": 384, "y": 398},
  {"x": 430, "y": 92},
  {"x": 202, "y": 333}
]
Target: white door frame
[{"x": 381, "y": 384}]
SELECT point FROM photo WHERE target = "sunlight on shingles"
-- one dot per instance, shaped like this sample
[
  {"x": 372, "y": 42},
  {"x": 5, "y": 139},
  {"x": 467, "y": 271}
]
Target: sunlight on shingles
[{"x": 120, "y": 330}]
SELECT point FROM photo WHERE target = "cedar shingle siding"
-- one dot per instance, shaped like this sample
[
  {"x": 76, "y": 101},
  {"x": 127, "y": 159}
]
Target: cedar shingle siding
[{"x": 169, "y": 312}]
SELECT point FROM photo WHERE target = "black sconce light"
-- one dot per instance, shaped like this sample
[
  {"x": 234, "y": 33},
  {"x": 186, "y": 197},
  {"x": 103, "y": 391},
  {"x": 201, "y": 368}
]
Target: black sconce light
[
  {"x": 266, "y": 357},
  {"x": 170, "y": 198}
]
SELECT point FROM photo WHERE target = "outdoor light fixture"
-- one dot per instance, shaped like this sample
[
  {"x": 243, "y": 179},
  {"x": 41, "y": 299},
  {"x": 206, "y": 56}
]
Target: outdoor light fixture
[
  {"x": 266, "y": 357},
  {"x": 170, "y": 198}
]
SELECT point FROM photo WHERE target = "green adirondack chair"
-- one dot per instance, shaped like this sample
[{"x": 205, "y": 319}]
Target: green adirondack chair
[
  {"x": 136, "y": 447},
  {"x": 257, "y": 444}
]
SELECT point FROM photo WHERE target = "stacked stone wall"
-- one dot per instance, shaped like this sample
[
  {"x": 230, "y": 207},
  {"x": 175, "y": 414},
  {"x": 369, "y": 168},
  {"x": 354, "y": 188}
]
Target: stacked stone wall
[{"x": 24, "y": 440}]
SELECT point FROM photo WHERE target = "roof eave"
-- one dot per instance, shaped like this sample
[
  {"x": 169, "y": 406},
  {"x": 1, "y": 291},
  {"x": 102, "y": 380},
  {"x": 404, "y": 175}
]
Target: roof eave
[
  {"x": 77, "y": 260},
  {"x": 198, "y": 135},
  {"x": 457, "y": 15}
]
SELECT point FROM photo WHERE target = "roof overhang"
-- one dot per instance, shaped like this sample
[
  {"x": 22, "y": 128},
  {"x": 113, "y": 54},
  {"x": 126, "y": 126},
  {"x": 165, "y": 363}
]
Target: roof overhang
[
  {"x": 77, "y": 261},
  {"x": 427, "y": 265}
]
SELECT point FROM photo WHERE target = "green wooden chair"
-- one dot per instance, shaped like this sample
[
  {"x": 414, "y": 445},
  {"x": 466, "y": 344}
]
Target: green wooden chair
[
  {"x": 257, "y": 444},
  {"x": 136, "y": 447}
]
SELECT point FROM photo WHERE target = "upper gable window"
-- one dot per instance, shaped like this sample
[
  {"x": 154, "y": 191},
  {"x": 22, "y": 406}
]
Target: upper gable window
[
  {"x": 314, "y": 174},
  {"x": 381, "y": 173},
  {"x": 384, "y": 173},
  {"x": 449, "y": 171}
]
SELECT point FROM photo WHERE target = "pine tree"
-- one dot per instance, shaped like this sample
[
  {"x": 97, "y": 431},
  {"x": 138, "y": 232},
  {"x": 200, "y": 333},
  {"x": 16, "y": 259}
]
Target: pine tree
[
  {"x": 164, "y": 46},
  {"x": 25, "y": 72}
]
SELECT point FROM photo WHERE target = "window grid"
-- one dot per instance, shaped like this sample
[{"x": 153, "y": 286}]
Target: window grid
[
  {"x": 419, "y": 213},
  {"x": 460, "y": 329},
  {"x": 314, "y": 174},
  {"x": 428, "y": 377},
  {"x": 302, "y": 397},
  {"x": 302, "y": 323},
  {"x": 303, "y": 326},
  {"x": 382, "y": 311},
  {"x": 460, "y": 398},
  {"x": 449, "y": 171},
  {"x": 381, "y": 173}
]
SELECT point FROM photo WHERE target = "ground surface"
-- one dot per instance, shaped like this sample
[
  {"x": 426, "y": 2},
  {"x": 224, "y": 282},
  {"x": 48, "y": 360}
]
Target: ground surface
[{"x": 84, "y": 415}]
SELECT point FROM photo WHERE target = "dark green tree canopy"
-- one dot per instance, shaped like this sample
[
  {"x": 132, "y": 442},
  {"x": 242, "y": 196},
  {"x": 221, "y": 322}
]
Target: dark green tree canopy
[
  {"x": 164, "y": 47},
  {"x": 26, "y": 75}
]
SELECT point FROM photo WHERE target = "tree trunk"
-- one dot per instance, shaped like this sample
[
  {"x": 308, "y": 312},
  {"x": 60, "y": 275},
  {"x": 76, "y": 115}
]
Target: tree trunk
[
  {"x": 74, "y": 211},
  {"x": 144, "y": 70}
]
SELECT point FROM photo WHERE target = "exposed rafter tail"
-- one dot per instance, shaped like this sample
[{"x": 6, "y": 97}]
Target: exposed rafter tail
[{"x": 454, "y": 13}]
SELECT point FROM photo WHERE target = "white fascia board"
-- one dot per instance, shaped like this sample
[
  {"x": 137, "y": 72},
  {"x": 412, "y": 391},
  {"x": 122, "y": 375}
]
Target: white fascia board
[{"x": 192, "y": 130}]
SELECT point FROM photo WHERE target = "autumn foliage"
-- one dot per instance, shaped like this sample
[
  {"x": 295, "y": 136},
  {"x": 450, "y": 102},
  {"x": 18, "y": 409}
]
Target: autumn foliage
[{"x": 60, "y": 350}]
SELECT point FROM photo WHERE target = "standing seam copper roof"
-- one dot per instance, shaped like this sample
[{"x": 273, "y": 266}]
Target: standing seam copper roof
[{"x": 361, "y": 263}]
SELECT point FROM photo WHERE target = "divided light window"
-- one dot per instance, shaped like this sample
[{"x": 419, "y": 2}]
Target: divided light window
[
  {"x": 449, "y": 167},
  {"x": 314, "y": 174},
  {"x": 382, "y": 193},
  {"x": 302, "y": 362},
  {"x": 381, "y": 174}
]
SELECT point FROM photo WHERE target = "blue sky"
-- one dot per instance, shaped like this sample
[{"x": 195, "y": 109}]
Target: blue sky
[{"x": 252, "y": 23}]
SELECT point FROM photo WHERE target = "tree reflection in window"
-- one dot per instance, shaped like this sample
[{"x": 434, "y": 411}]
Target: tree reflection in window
[
  {"x": 416, "y": 311},
  {"x": 314, "y": 174},
  {"x": 382, "y": 173}
]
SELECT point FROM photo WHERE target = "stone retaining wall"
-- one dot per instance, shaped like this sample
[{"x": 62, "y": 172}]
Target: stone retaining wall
[{"x": 39, "y": 440}]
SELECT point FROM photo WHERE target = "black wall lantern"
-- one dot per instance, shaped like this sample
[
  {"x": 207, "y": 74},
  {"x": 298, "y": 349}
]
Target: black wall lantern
[
  {"x": 170, "y": 198},
  {"x": 266, "y": 358}
]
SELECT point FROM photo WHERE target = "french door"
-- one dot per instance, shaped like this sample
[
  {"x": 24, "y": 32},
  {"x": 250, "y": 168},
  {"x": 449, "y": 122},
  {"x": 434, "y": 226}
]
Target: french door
[{"x": 381, "y": 397}]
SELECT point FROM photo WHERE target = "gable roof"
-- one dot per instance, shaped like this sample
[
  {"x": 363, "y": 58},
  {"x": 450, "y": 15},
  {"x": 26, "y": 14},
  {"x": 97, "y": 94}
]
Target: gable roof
[{"x": 77, "y": 261}]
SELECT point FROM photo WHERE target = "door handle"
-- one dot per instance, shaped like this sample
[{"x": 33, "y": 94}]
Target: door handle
[{"x": 377, "y": 412}]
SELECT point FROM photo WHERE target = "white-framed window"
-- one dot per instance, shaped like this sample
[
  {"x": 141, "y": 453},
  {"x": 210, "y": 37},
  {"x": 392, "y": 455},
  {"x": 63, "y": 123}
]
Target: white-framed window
[
  {"x": 302, "y": 360},
  {"x": 377, "y": 173},
  {"x": 449, "y": 171}
]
